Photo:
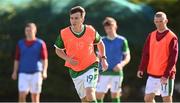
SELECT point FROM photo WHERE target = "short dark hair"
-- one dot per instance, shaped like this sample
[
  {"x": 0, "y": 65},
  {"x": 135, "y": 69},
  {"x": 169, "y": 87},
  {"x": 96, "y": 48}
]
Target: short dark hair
[
  {"x": 78, "y": 9},
  {"x": 30, "y": 23},
  {"x": 109, "y": 21}
]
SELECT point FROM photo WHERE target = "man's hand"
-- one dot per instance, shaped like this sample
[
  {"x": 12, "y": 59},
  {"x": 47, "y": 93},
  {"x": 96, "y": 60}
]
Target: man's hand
[
  {"x": 118, "y": 67},
  {"x": 44, "y": 75},
  {"x": 14, "y": 76},
  {"x": 164, "y": 80},
  {"x": 63, "y": 55},
  {"x": 140, "y": 74},
  {"x": 104, "y": 64},
  {"x": 72, "y": 61}
]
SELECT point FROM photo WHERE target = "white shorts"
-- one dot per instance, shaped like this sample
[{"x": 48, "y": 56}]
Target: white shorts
[
  {"x": 88, "y": 79},
  {"x": 154, "y": 85},
  {"x": 30, "y": 82},
  {"x": 106, "y": 82}
]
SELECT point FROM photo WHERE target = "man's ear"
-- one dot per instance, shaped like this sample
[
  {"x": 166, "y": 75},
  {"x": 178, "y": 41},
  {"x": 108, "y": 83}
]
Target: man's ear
[
  {"x": 167, "y": 20},
  {"x": 83, "y": 19}
]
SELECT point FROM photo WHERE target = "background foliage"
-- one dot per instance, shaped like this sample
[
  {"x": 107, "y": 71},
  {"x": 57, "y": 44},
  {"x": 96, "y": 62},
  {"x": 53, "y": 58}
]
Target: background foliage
[{"x": 135, "y": 21}]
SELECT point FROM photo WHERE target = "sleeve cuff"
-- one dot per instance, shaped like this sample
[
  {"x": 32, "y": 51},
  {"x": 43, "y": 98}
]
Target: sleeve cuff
[
  {"x": 126, "y": 52},
  {"x": 58, "y": 47}
]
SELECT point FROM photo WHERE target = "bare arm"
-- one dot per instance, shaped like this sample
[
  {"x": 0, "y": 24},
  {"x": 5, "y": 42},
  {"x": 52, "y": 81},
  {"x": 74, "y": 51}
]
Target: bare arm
[
  {"x": 15, "y": 69},
  {"x": 102, "y": 53},
  {"x": 62, "y": 54},
  {"x": 45, "y": 67},
  {"x": 126, "y": 60},
  {"x": 123, "y": 63},
  {"x": 101, "y": 48},
  {"x": 45, "y": 64}
]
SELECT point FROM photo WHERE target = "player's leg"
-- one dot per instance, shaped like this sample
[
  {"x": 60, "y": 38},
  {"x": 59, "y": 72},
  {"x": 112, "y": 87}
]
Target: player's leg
[
  {"x": 102, "y": 87},
  {"x": 35, "y": 97},
  {"x": 116, "y": 88},
  {"x": 167, "y": 91},
  {"x": 149, "y": 98},
  {"x": 90, "y": 82},
  {"x": 22, "y": 96},
  {"x": 85, "y": 85},
  {"x": 36, "y": 86},
  {"x": 100, "y": 97},
  {"x": 152, "y": 89},
  {"x": 23, "y": 87},
  {"x": 90, "y": 94},
  {"x": 84, "y": 100},
  {"x": 115, "y": 97},
  {"x": 167, "y": 99},
  {"x": 79, "y": 86}
]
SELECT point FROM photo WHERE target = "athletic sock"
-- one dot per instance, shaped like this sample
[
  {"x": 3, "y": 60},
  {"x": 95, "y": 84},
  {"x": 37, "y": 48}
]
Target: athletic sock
[
  {"x": 116, "y": 100},
  {"x": 100, "y": 100},
  {"x": 94, "y": 101}
]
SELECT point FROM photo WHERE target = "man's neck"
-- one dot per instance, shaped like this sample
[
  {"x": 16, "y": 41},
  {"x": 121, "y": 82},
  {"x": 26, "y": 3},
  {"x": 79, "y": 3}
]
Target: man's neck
[
  {"x": 162, "y": 30},
  {"x": 112, "y": 37},
  {"x": 77, "y": 29},
  {"x": 31, "y": 39}
]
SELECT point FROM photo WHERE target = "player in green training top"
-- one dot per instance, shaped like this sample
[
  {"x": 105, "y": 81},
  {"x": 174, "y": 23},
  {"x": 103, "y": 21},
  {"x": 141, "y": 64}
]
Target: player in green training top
[{"x": 75, "y": 45}]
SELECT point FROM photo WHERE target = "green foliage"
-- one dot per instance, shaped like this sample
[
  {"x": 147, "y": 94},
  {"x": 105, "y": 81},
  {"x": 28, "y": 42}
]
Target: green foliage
[{"x": 134, "y": 21}]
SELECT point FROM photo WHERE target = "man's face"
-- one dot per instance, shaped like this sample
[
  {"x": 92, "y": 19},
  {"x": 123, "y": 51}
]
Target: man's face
[
  {"x": 76, "y": 19},
  {"x": 110, "y": 29},
  {"x": 30, "y": 31},
  {"x": 160, "y": 22}
]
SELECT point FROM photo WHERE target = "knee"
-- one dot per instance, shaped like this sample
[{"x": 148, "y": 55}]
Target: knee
[
  {"x": 35, "y": 97},
  {"x": 148, "y": 98},
  {"x": 100, "y": 95},
  {"x": 89, "y": 97},
  {"x": 23, "y": 94},
  {"x": 90, "y": 94},
  {"x": 167, "y": 99},
  {"x": 115, "y": 95}
]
